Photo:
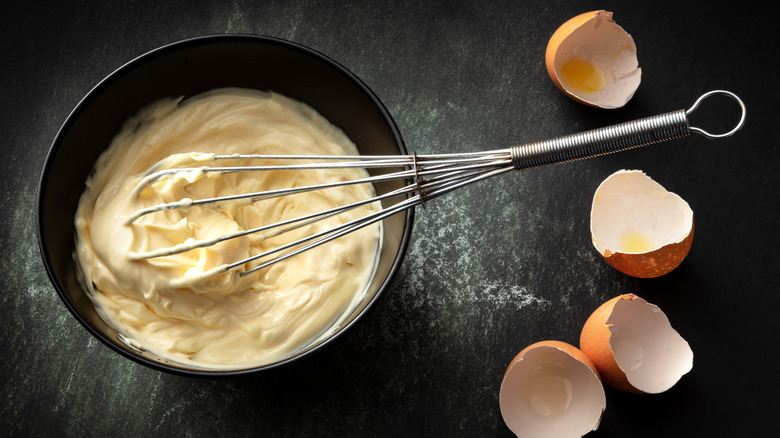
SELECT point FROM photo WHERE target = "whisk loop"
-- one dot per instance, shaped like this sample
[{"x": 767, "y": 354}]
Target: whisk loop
[{"x": 427, "y": 176}]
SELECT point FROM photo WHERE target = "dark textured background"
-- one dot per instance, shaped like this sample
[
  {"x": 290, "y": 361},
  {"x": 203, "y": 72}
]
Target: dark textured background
[{"x": 491, "y": 268}]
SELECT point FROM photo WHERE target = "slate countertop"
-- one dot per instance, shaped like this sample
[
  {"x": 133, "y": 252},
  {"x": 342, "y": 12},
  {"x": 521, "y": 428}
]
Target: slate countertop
[{"x": 491, "y": 268}]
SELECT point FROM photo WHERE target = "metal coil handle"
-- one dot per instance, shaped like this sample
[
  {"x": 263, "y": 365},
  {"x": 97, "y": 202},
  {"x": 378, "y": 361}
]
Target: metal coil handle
[{"x": 616, "y": 138}]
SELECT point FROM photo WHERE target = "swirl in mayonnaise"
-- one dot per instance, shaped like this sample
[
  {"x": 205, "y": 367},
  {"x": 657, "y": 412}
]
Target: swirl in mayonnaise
[{"x": 171, "y": 305}]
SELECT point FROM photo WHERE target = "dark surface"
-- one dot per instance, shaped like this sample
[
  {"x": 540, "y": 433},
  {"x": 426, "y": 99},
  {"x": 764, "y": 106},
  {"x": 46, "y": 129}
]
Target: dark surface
[{"x": 491, "y": 268}]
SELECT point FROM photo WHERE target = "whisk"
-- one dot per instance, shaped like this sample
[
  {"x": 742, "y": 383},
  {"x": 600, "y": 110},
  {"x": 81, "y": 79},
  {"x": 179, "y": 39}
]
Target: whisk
[{"x": 427, "y": 177}]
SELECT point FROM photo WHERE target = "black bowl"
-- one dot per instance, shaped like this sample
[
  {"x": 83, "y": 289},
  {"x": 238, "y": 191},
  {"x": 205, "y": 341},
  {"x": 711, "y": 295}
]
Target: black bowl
[{"x": 187, "y": 68}]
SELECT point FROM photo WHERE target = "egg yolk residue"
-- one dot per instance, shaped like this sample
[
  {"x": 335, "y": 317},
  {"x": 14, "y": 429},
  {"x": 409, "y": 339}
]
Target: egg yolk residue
[
  {"x": 582, "y": 75},
  {"x": 634, "y": 241}
]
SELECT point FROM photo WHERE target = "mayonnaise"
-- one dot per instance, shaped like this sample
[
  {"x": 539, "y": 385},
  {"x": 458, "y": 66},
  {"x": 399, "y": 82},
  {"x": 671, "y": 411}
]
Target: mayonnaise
[{"x": 174, "y": 305}]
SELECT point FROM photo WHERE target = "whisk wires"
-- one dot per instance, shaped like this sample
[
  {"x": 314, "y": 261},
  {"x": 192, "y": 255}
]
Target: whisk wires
[{"x": 426, "y": 176}]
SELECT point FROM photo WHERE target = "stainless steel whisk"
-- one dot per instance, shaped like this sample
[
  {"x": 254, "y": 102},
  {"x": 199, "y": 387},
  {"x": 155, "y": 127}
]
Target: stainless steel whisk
[{"x": 428, "y": 176}]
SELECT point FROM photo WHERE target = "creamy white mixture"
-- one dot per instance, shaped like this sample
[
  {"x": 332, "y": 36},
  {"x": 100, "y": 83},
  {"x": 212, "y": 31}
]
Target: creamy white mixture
[{"x": 166, "y": 304}]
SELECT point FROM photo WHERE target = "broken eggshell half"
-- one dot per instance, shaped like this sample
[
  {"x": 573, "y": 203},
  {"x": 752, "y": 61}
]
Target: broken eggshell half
[
  {"x": 591, "y": 59},
  {"x": 551, "y": 389},
  {"x": 634, "y": 347},
  {"x": 638, "y": 226}
]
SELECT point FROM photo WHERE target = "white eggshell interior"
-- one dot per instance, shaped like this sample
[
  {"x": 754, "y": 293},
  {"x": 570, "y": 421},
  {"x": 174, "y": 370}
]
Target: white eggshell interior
[
  {"x": 604, "y": 43},
  {"x": 649, "y": 351},
  {"x": 629, "y": 201},
  {"x": 549, "y": 393}
]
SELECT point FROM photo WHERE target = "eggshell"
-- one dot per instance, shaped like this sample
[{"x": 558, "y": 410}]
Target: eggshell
[
  {"x": 638, "y": 226},
  {"x": 551, "y": 389},
  {"x": 634, "y": 347},
  {"x": 595, "y": 41}
]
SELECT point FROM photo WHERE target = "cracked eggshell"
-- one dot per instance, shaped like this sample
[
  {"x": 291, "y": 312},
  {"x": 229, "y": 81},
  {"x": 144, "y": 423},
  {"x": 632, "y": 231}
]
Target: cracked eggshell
[
  {"x": 593, "y": 60},
  {"x": 634, "y": 347},
  {"x": 551, "y": 389},
  {"x": 638, "y": 226}
]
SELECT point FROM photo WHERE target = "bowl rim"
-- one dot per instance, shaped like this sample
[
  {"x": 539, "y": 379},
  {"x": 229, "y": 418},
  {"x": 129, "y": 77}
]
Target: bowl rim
[{"x": 172, "y": 367}]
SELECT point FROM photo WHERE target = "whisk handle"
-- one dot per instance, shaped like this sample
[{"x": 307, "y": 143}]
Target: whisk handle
[
  {"x": 602, "y": 141},
  {"x": 616, "y": 138}
]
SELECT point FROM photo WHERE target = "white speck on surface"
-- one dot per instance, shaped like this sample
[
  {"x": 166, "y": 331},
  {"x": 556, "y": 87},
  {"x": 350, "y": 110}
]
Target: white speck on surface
[
  {"x": 236, "y": 22},
  {"x": 36, "y": 290},
  {"x": 153, "y": 394},
  {"x": 502, "y": 295}
]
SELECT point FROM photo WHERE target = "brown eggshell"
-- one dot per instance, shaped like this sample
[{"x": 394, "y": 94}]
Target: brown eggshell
[
  {"x": 629, "y": 202},
  {"x": 595, "y": 36},
  {"x": 561, "y": 34},
  {"x": 653, "y": 356},
  {"x": 551, "y": 390},
  {"x": 594, "y": 342}
]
